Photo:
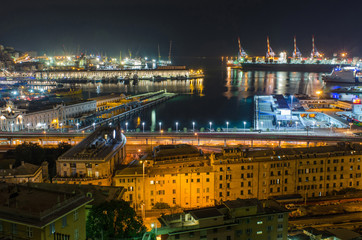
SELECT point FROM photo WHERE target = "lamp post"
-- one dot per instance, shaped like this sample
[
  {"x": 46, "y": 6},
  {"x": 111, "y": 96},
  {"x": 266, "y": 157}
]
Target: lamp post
[
  {"x": 77, "y": 124},
  {"x": 313, "y": 125},
  {"x": 244, "y": 126},
  {"x": 296, "y": 126},
  {"x": 279, "y": 125},
  {"x": 28, "y": 124},
  {"x": 94, "y": 126},
  {"x": 143, "y": 127},
  {"x": 193, "y": 126},
  {"x": 210, "y": 125},
  {"x": 126, "y": 126},
  {"x": 61, "y": 127},
  {"x": 144, "y": 189},
  {"x": 227, "y": 126},
  {"x": 176, "y": 126},
  {"x": 12, "y": 127},
  {"x": 160, "y": 124}
]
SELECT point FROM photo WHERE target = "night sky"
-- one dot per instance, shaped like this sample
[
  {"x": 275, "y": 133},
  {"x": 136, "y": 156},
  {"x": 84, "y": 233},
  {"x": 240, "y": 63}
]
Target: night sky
[{"x": 197, "y": 28}]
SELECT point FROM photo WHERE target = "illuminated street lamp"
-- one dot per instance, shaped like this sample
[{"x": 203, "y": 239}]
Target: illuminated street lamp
[
  {"x": 244, "y": 126},
  {"x": 318, "y": 93},
  {"x": 61, "y": 127},
  {"x": 296, "y": 126},
  {"x": 28, "y": 126},
  {"x": 77, "y": 124},
  {"x": 176, "y": 126},
  {"x": 279, "y": 125},
  {"x": 12, "y": 127},
  {"x": 126, "y": 126},
  {"x": 193, "y": 126},
  {"x": 143, "y": 127},
  {"x": 210, "y": 125},
  {"x": 227, "y": 126},
  {"x": 94, "y": 126},
  {"x": 160, "y": 124}
]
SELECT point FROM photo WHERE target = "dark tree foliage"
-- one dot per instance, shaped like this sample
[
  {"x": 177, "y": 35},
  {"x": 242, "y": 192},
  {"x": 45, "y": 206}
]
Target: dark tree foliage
[
  {"x": 114, "y": 220},
  {"x": 30, "y": 153}
]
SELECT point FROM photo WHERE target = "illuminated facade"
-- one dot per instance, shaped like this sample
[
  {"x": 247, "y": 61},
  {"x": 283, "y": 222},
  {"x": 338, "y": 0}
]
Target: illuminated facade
[
  {"x": 198, "y": 181},
  {"x": 237, "y": 219},
  {"x": 13, "y": 119},
  {"x": 94, "y": 160}
]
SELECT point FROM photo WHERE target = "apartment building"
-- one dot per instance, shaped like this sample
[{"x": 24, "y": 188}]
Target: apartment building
[{"x": 193, "y": 181}]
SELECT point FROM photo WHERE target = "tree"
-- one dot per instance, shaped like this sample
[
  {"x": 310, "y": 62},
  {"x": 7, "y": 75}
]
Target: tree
[
  {"x": 114, "y": 219},
  {"x": 30, "y": 153}
]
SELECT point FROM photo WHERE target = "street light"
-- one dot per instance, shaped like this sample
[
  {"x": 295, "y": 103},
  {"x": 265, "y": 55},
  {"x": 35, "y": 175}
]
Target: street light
[
  {"x": 193, "y": 126},
  {"x": 176, "y": 126},
  {"x": 28, "y": 126},
  {"x": 160, "y": 124},
  {"x": 61, "y": 127},
  {"x": 94, "y": 126},
  {"x": 244, "y": 126},
  {"x": 126, "y": 126},
  {"x": 77, "y": 124},
  {"x": 143, "y": 126},
  {"x": 279, "y": 125},
  {"x": 210, "y": 125},
  {"x": 227, "y": 126},
  {"x": 12, "y": 127},
  {"x": 296, "y": 126},
  {"x": 262, "y": 125}
]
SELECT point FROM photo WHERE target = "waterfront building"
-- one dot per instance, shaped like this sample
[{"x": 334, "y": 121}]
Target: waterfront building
[
  {"x": 327, "y": 234},
  {"x": 32, "y": 213},
  {"x": 14, "y": 119},
  {"x": 236, "y": 219},
  {"x": 26, "y": 172},
  {"x": 93, "y": 160},
  {"x": 179, "y": 177}
]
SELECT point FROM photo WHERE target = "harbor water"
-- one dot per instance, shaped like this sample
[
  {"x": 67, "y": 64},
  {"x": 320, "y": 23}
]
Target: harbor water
[{"x": 223, "y": 95}]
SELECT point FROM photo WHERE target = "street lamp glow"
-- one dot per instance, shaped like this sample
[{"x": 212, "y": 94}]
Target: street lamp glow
[
  {"x": 210, "y": 125},
  {"x": 94, "y": 126},
  {"x": 244, "y": 126},
  {"x": 227, "y": 126},
  {"x": 126, "y": 126},
  {"x": 193, "y": 126},
  {"x": 160, "y": 124},
  {"x": 143, "y": 126},
  {"x": 176, "y": 126},
  {"x": 279, "y": 125}
]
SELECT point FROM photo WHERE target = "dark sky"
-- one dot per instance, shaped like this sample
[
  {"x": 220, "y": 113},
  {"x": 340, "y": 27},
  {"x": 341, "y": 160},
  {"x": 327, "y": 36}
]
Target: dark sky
[{"x": 197, "y": 28}]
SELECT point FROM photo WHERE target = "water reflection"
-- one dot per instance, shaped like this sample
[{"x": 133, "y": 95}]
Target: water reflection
[{"x": 242, "y": 84}]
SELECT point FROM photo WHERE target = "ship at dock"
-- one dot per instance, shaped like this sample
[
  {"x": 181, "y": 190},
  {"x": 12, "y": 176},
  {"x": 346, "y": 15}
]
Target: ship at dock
[{"x": 316, "y": 62}]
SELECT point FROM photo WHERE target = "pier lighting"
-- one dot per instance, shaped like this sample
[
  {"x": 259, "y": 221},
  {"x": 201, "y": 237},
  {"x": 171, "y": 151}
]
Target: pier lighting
[
  {"x": 210, "y": 125},
  {"x": 193, "y": 126},
  {"x": 61, "y": 127},
  {"x": 160, "y": 124},
  {"x": 227, "y": 126},
  {"x": 126, "y": 126},
  {"x": 244, "y": 126},
  {"x": 176, "y": 126},
  {"x": 143, "y": 126}
]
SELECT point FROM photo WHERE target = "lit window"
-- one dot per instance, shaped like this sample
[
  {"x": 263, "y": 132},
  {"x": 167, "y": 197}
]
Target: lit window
[
  {"x": 259, "y": 232},
  {"x": 260, "y": 222},
  {"x": 152, "y": 182}
]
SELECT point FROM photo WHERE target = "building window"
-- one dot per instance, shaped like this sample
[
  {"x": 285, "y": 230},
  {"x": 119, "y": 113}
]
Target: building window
[
  {"x": 259, "y": 232},
  {"x": 173, "y": 191},
  {"x": 64, "y": 221},
  {"x": 207, "y": 179},
  {"x": 241, "y": 192},
  {"x": 198, "y": 180},
  {"x": 76, "y": 234},
  {"x": 52, "y": 228},
  {"x": 259, "y": 222},
  {"x": 76, "y": 215},
  {"x": 220, "y": 186},
  {"x": 29, "y": 232}
]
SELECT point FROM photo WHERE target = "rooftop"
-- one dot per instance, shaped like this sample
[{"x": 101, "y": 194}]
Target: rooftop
[
  {"x": 37, "y": 207},
  {"x": 101, "y": 144},
  {"x": 23, "y": 170},
  {"x": 163, "y": 151}
]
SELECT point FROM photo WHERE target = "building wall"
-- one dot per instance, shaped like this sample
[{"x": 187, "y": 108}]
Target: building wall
[
  {"x": 232, "y": 178},
  {"x": 36, "y": 177},
  {"x": 24, "y": 231}
]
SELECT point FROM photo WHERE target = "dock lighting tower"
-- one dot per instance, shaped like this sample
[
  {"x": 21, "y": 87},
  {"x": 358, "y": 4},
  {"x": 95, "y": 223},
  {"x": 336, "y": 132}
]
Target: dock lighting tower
[
  {"x": 143, "y": 127},
  {"x": 193, "y": 126},
  {"x": 210, "y": 123},
  {"x": 270, "y": 53},
  {"x": 315, "y": 53},
  {"x": 296, "y": 53},
  {"x": 176, "y": 126},
  {"x": 160, "y": 124},
  {"x": 227, "y": 126},
  {"x": 126, "y": 126}
]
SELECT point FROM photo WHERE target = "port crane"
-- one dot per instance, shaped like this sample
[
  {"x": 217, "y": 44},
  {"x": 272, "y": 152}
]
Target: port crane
[
  {"x": 242, "y": 53},
  {"x": 296, "y": 53},
  {"x": 270, "y": 53},
  {"x": 314, "y": 53}
]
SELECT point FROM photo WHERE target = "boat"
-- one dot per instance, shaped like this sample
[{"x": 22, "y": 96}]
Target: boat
[{"x": 343, "y": 75}]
